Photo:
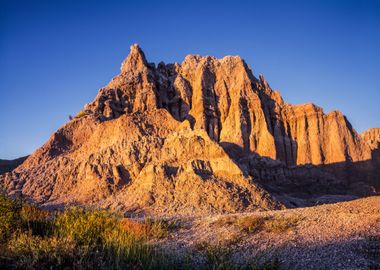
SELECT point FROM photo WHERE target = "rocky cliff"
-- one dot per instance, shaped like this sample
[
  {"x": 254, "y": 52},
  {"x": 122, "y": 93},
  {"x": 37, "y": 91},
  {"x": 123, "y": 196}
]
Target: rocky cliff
[
  {"x": 202, "y": 136},
  {"x": 372, "y": 138}
]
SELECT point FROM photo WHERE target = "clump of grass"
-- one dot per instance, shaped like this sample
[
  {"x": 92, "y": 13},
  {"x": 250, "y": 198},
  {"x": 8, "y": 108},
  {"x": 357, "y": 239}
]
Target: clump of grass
[
  {"x": 80, "y": 114},
  {"x": 150, "y": 228},
  {"x": 280, "y": 224},
  {"x": 216, "y": 256},
  {"x": 275, "y": 224},
  {"x": 251, "y": 224},
  {"x": 161, "y": 228},
  {"x": 220, "y": 257},
  {"x": 224, "y": 221},
  {"x": 35, "y": 220},
  {"x": 27, "y": 251}
]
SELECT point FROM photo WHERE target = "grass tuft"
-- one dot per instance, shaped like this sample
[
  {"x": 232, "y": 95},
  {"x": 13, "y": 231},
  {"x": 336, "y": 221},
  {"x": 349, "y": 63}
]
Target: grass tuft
[
  {"x": 256, "y": 223},
  {"x": 80, "y": 114}
]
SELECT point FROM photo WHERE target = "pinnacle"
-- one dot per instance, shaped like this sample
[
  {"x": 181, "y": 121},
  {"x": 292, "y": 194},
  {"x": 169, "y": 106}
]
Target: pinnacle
[{"x": 135, "y": 60}]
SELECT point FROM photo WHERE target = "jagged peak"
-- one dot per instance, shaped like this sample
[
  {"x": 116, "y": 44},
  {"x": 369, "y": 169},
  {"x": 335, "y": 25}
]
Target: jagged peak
[
  {"x": 135, "y": 60},
  {"x": 374, "y": 130}
]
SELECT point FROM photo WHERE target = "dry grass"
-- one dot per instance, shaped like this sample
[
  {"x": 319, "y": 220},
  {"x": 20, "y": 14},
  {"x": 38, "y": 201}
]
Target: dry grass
[
  {"x": 224, "y": 221},
  {"x": 73, "y": 239},
  {"x": 256, "y": 223},
  {"x": 82, "y": 239},
  {"x": 251, "y": 224},
  {"x": 80, "y": 114},
  {"x": 220, "y": 257},
  {"x": 281, "y": 224}
]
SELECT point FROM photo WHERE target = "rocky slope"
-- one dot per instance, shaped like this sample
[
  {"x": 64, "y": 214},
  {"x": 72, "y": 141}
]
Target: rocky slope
[{"x": 201, "y": 136}]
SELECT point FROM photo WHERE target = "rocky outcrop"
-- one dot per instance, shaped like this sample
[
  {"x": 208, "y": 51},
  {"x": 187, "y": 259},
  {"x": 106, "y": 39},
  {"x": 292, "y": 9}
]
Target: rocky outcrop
[
  {"x": 198, "y": 137},
  {"x": 372, "y": 138},
  {"x": 222, "y": 97}
]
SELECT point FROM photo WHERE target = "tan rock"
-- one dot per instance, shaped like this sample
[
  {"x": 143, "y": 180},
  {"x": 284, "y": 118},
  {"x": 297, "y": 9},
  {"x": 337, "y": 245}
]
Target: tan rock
[{"x": 198, "y": 137}]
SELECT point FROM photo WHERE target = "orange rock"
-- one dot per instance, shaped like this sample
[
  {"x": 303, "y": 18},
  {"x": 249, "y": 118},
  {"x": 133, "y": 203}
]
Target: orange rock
[{"x": 190, "y": 138}]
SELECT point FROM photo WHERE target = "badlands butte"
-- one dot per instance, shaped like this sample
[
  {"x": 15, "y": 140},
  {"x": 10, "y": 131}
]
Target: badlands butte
[{"x": 205, "y": 136}]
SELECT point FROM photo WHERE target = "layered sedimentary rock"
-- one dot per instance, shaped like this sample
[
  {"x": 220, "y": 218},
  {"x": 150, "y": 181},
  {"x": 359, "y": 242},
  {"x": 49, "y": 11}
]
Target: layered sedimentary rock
[{"x": 186, "y": 138}]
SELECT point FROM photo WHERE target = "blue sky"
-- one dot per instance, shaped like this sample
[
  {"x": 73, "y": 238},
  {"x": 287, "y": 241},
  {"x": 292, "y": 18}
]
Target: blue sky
[{"x": 55, "y": 55}]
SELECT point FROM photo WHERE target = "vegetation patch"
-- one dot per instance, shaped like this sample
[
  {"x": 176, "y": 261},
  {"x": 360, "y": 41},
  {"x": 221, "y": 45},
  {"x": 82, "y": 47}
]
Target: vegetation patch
[
  {"x": 76, "y": 238},
  {"x": 274, "y": 224},
  {"x": 73, "y": 239},
  {"x": 280, "y": 224},
  {"x": 80, "y": 114},
  {"x": 221, "y": 257},
  {"x": 251, "y": 224},
  {"x": 224, "y": 221}
]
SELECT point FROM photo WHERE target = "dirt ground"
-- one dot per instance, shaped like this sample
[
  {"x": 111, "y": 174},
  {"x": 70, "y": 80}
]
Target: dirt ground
[{"x": 343, "y": 235}]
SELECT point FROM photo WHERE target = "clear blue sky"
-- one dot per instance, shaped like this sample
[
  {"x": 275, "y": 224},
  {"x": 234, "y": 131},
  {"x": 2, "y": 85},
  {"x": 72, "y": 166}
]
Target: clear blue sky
[{"x": 55, "y": 55}]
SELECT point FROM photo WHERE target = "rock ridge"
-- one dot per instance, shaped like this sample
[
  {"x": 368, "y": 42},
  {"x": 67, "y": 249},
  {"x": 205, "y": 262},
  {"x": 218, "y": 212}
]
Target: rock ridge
[{"x": 202, "y": 136}]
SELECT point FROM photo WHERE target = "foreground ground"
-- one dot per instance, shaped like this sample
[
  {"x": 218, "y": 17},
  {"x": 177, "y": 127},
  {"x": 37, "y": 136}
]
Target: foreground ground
[{"x": 343, "y": 235}]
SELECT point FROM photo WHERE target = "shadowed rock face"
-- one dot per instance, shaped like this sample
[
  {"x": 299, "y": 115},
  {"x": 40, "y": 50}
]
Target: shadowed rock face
[
  {"x": 187, "y": 138},
  {"x": 10, "y": 165}
]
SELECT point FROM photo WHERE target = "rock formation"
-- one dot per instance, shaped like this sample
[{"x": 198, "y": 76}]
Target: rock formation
[
  {"x": 372, "y": 138},
  {"x": 202, "y": 136}
]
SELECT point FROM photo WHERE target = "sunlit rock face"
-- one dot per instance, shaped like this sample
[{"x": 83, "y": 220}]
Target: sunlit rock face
[
  {"x": 372, "y": 138},
  {"x": 198, "y": 137}
]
